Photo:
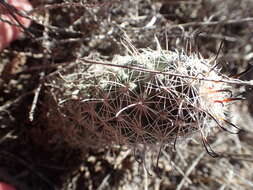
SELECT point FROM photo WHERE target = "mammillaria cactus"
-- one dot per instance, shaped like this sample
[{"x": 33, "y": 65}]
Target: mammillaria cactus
[{"x": 147, "y": 98}]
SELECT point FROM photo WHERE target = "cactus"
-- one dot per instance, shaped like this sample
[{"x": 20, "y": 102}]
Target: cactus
[{"x": 94, "y": 105}]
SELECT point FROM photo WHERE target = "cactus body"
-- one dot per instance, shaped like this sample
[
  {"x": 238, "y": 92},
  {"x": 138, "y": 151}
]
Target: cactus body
[{"x": 105, "y": 105}]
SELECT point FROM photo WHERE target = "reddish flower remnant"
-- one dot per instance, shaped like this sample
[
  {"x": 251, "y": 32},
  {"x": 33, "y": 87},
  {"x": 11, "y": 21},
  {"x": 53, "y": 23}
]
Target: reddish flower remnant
[
  {"x": 9, "y": 32},
  {"x": 4, "y": 186}
]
